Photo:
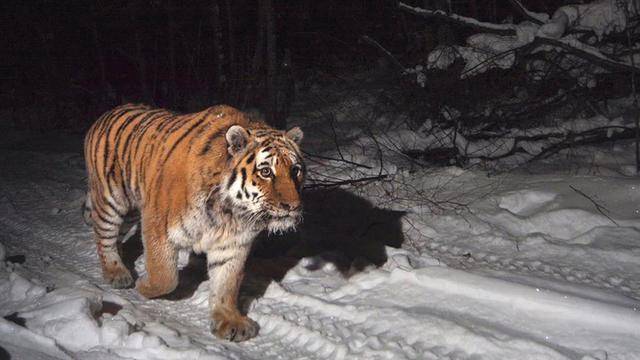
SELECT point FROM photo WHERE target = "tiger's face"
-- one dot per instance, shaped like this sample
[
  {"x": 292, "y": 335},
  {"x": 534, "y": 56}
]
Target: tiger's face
[{"x": 268, "y": 176}]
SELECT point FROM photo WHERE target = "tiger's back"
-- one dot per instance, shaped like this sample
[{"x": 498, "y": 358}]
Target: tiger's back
[{"x": 133, "y": 145}]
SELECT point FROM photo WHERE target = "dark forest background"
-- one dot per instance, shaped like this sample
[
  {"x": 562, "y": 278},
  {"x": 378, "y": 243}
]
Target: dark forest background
[{"x": 65, "y": 62}]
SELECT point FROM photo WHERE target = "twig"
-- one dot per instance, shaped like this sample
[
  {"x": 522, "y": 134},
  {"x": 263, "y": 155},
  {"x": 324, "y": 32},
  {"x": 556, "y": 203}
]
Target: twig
[
  {"x": 599, "y": 207},
  {"x": 336, "y": 159},
  {"x": 599, "y": 59},
  {"x": 509, "y": 30},
  {"x": 345, "y": 182},
  {"x": 582, "y": 138},
  {"x": 461, "y": 20},
  {"x": 386, "y": 52},
  {"x": 636, "y": 120},
  {"x": 524, "y": 12}
]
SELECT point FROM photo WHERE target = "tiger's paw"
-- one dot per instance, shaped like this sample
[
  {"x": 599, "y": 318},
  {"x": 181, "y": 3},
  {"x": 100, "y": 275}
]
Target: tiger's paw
[
  {"x": 233, "y": 327},
  {"x": 119, "y": 277},
  {"x": 152, "y": 290}
]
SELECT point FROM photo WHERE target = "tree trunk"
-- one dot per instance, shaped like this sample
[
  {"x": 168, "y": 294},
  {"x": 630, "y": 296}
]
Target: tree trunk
[
  {"x": 173, "y": 86},
  {"x": 272, "y": 68},
  {"x": 140, "y": 60},
  {"x": 233, "y": 70},
  {"x": 102, "y": 68},
  {"x": 218, "y": 56}
]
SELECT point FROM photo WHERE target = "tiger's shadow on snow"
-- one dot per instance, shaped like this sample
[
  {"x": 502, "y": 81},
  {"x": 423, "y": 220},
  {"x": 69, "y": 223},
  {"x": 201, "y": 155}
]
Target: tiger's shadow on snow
[{"x": 338, "y": 226}]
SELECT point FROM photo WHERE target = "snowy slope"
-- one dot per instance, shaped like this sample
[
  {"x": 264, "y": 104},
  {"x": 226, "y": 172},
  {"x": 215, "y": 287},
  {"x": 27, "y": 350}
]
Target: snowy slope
[{"x": 536, "y": 267}]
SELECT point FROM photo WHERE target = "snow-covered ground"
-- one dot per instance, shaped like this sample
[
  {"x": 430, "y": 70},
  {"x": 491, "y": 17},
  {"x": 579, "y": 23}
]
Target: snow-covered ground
[{"x": 515, "y": 266}]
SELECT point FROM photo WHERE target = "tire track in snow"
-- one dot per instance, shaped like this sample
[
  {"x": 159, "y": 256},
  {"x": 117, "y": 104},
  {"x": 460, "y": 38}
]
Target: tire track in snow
[
  {"x": 345, "y": 326},
  {"x": 467, "y": 258}
]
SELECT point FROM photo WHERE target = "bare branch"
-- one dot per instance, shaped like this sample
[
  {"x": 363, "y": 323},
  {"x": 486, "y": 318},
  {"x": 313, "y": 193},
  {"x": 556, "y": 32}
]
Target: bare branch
[
  {"x": 311, "y": 155},
  {"x": 601, "y": 209},
  {"x": 386, "y": 52},
  {"x": 500, "y": 29},
  {"x": 598, "y": 58},
  {"x": 524, "y": 12},
  {"x": 345, "y": 182}
]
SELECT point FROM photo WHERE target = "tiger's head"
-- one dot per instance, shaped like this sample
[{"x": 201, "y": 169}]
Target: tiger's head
[{"x": 268, "y": 173}]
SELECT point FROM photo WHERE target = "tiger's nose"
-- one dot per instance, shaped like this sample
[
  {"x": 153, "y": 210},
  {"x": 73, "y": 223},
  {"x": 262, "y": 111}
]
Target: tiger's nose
[{"x": 290, "y": 206}]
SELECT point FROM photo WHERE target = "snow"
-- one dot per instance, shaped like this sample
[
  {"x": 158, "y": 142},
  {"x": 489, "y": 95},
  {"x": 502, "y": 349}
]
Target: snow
[
  {"x": 504, "y": 143},
  {"x": 542, "y": 265},
  {"x": 486, "y": 51},
  {"x": 470, "y": 21},
  {"x": 600, "y": 16}
]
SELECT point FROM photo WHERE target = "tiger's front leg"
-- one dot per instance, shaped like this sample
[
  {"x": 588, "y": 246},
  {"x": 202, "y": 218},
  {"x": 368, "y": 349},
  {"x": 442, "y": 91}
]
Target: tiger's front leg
[{"x": 226, "y": 270}]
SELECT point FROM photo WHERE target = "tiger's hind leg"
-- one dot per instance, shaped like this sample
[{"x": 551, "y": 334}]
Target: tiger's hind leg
[
  {"x": 106, "y": 219},
  {"x": 161, "y": 259}
]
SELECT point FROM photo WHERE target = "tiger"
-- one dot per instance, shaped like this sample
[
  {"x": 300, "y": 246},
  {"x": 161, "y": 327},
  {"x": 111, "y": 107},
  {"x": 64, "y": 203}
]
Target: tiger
[{"x": 208, "y": 182}]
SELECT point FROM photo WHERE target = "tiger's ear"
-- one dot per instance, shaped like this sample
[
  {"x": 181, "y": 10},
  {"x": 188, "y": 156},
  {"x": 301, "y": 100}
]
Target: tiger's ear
[
  {"x": 295, "y": 134},
  {"x": 237, "y": 138}
]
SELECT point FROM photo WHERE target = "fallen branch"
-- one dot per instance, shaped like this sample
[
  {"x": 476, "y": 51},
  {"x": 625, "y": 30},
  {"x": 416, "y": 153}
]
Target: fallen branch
[
  {"x": 583, "y": 138},
  {"x": 500, "y": 29},
  {"x": 599, "y": 207},
  {"x": 308, "y": 154},
  {"x": 344, "y": 182},
  {"x": 384, "y": 51},
  {"x": 598, "y": 58},
  {"x": 510, "y": 30},
  {"x": 526, "y": 13}
]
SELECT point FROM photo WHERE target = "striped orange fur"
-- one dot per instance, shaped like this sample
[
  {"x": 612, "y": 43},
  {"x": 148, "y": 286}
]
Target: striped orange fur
[{"x": 208, "y": 181}]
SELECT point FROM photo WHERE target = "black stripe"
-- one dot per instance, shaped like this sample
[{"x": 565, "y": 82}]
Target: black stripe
[
  {"x": 102, "y": 125},
  {"x": 107, "y": 133},
  {"x": 207, "y": 146},
  {"x": 184, "y": 229},
  {"x": 113, "y": 207},
  {"x": 168, "y": 121},
  {"x": 197, "y": 135},
  {"x": 121, "y": 129},
  {"x": 102, "y": 236},
  {"x": 108, "y": 238},
  {"x": 244, "y": 177},
  {"x": 143, "y": 130},
  {"x": 232, "y": 179},
  {"x": 133, "y": 134},
  {"x": 176, "y": 123},
  {"x": 102, "y": 219},
  {"x": 218, "y": 263},
  {"x": 251, "y": 158},
  {"x": 111, "y": 183},
  {"x": 184, "y": 135},
  {"x": 103, "y": 229}
]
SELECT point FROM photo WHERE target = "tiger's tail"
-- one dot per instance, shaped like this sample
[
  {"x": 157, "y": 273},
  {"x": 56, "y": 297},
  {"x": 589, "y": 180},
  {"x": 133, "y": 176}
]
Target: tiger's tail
[{"x": 87, "y": 207}]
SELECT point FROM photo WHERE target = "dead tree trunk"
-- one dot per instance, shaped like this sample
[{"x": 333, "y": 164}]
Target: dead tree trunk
[
  {"x": 102, "y": 68},
  {"x": 218, "y": 56},
  {"x": 140, "y": 61},
  {"x": 270, "y": 35},
  {"x": 233, "y": 70},
  {"x": 173, "y": 86}
]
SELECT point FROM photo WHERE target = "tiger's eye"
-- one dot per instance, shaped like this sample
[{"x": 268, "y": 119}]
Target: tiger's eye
[{"x": 265, "y": 172}]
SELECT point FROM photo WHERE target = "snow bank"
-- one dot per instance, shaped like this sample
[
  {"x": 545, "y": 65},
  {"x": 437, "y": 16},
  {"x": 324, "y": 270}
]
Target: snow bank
[
  {"x": 486, "y": 51},
  {"x": 72, "y": 320},
  {"x": 601, "y": 16}
]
